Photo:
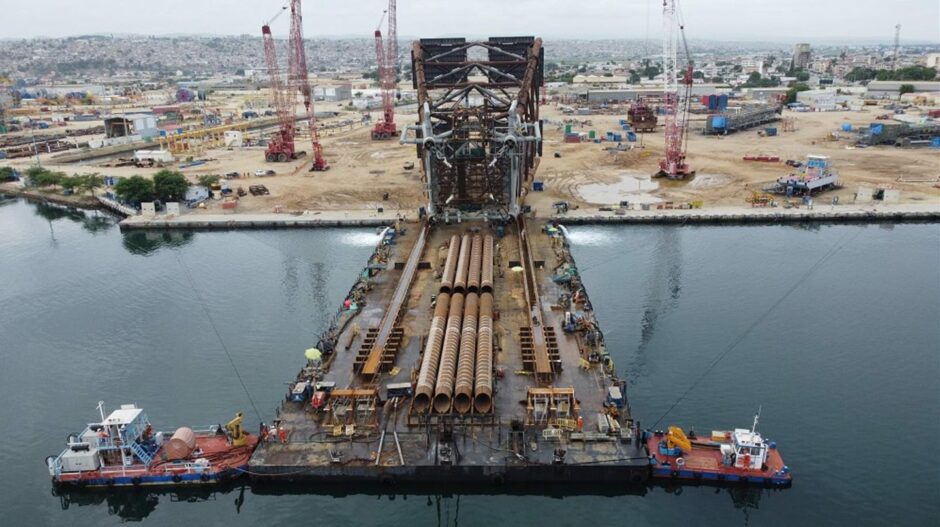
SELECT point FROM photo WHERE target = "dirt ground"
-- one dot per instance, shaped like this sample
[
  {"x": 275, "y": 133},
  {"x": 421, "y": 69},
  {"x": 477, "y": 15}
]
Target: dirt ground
[
  {"x": 585, "y": 174},
  {"x": 588, "y": 175}
]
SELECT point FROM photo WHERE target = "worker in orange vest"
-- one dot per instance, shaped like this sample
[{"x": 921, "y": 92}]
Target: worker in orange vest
[
  {"x": 580, "y": 423},
  {"x": 282, "y": 434}
]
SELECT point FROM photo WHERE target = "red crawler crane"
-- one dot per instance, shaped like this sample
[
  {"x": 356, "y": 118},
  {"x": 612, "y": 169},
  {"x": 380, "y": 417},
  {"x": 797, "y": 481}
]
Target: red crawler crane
[
  {"x": 676, "y": 105},
  {"x": 387, "y": 68},
  {"x": 281, "y": 143}
]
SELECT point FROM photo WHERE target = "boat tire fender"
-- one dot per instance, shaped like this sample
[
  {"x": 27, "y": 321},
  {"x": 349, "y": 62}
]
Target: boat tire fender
[
  {"x": 177, "y": 478},
  {"x": 204, "y": 477},
  {"x": 136, "y": 480}
]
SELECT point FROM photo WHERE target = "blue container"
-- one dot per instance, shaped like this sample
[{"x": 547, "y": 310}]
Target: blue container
[
  {"x": 846, "y": 127},
  {"x": 623, "y": 122},
  {"x": 722, "y": 102},
  {"x": 538, "y": 186},
  {"x": 719, "y": 122},
  {"x": 876, "y": 129},
  {"x": 770, "y": 131},
  {"x": 935, "y": 142},
  {"x": 616, "y": 137},
  {"x": 712, "y": 102},
  {"x": 631, "y": 136}
]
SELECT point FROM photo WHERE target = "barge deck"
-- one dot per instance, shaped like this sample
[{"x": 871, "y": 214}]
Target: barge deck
[{"x": 548, "y": 409}]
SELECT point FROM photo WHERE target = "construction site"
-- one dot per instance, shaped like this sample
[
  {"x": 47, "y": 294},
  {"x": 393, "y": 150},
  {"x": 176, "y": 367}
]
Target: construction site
[
  {"x": 467, "y": 352},
  {"x": 339, "y": 159}
]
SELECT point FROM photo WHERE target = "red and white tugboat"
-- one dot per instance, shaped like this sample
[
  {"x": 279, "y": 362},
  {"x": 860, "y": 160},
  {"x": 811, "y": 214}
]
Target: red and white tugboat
[
  {"x": 123, "y": 449},
  {"x": 741, "y": 456}
]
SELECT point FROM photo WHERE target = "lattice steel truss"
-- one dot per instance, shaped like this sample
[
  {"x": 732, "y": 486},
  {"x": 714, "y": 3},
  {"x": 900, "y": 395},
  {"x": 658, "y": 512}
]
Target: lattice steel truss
[{"x": 478, "y": 132}]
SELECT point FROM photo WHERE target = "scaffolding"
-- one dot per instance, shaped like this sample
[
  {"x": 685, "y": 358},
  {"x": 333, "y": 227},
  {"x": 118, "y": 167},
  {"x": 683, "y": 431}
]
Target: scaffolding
[{"x": 198, "y": 141}]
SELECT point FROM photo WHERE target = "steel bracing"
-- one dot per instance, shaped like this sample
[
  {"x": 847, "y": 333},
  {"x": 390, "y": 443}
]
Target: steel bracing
[{"x": 478, "y": 132}]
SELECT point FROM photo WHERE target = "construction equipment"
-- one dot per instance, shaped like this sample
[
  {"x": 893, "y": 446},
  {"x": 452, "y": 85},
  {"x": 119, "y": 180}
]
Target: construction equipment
[
  {"x": 235, "y": 430},
  {"x": 676, "y": 103},
  {"x": 387, "y": 64},
  {"x": 676, "y": 438},
  {"x": 281, "y": 144}
]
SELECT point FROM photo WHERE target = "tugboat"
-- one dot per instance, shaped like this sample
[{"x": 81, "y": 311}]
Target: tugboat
[
  {"x": 740, "y": 457},
  {"x": 123, "y": 449}
]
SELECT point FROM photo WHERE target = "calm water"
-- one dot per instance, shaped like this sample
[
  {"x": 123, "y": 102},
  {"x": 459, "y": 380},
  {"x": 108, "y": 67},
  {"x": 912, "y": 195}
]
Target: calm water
[{"x": 832, "y": 329}]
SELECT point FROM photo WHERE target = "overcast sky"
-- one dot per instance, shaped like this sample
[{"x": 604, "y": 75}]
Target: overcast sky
[{"x": 779, "y": 20}]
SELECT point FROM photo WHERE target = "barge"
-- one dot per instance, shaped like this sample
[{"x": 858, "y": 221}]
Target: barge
[
  {"x": 124, "y": 450},
  {"x": 467, "y": 353}
]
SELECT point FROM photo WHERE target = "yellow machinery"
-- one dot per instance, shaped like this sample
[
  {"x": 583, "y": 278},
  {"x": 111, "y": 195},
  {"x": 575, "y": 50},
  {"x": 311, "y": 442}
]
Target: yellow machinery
[
  {"x": 760, "y": 199},
  {"x": 235, "y": 431},
  {"x": 676, "y": 438}
]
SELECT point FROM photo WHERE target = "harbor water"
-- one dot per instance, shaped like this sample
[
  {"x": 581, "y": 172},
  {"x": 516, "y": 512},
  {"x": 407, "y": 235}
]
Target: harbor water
[{"x": 831, "y": 330}]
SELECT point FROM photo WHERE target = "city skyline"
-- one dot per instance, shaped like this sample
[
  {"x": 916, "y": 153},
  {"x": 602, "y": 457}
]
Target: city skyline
[{"x": 803, "y": 20}]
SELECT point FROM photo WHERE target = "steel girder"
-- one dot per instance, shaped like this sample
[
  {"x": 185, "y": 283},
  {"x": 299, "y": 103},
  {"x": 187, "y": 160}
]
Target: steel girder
[{"x": 478, "y": 132}]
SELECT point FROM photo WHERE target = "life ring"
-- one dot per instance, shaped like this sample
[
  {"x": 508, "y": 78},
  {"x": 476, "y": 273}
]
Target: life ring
[
  {"x": 177, "y": 478},
  {"x": 680, "y": 462},
  {"x": 136, "y": 480}
]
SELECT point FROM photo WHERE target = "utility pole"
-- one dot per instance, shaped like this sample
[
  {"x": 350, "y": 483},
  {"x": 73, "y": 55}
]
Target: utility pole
[{"x": 897, "y": 45}]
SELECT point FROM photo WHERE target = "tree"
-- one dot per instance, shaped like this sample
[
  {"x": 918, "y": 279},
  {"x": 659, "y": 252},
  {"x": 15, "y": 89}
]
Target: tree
[
  {"x": 207, "y": 180},
  {"x": 905, "y": 88},
  {"x": 796, "y": 88},
  {"x": 6, "y": 174},
  {"x": 70, "y": 183},
  {"x": 860, "y": 74},
  {"x": 169, "y": 185},
  {"x": 134, "y": 189},
  {"x": 802, "y": 76},
  {"x": 89, "y": 182},
  {"x": 698, "y": 75},
  {"x": 634, "y": 77},
  {"x": 41, "y": 177}
]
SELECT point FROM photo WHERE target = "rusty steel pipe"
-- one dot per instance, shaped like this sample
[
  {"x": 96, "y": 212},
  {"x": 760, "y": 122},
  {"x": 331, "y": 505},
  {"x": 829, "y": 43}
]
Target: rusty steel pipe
[
  {"x": 486, "y": 273},
  {"x": 450, "y": 265},
  {"x": 444, "y": 388},
  {"x": 463, "y": 388},
  {"x": 476, "y": 255},
  {"x": 432, "y": 354},
  {"x": 460, "y": 280},
  {"x": 483, "y": 383}
]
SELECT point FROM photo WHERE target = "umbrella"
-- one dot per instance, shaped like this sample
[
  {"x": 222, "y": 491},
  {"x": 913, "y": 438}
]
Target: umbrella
[{"x": 313, "y": 354}]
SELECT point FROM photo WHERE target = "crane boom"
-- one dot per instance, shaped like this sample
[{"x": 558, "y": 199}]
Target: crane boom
[
  {"x": 281, "y": 143},
  {"x": 297, "y": 66},
  {"x": 386, "y": 61},
  {"x": 676, "y": 100}
]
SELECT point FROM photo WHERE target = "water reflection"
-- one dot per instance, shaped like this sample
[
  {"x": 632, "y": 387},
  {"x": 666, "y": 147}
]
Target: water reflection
[
  {"x": 93, "y": 221},
  {"x": 136, "y": 504},
  {"x": 145, "y": 243}
]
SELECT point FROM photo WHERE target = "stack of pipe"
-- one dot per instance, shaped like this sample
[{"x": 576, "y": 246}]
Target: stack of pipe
[
  {"x": 457, "y": 365},
  {"x": 444, "y": 389},
  {"x": 486, "y": 273},
  {"x": 483, "y": 384},
  {"x": 450, "y": 265},
  {"x": 463, "y": 261},
  {"x": 432, "y": 354},
  {"x": 463, "y": 389}
]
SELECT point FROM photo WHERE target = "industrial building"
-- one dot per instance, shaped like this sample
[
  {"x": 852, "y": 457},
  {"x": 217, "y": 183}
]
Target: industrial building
[
  {"x": 143, "y": 125},
  {"x": 802, "y": 56},
  {"x": 741, "y": 119},
  {"x": 892, "y": 89},
  {"x": 339, "y": 92},
  {"x": 635, "y": 92}
]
